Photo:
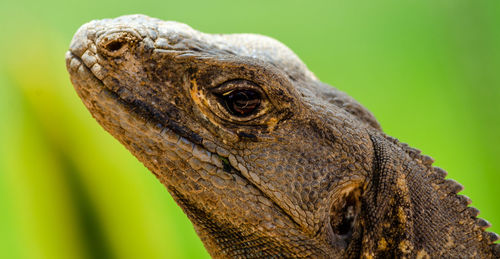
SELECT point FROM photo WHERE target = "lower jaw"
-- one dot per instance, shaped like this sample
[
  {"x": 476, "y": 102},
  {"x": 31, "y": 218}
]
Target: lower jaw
[{"x": 134, "y": 121}]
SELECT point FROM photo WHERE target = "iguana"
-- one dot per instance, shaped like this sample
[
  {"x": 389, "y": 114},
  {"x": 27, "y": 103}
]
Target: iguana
[{"x": 265, "y": 159}]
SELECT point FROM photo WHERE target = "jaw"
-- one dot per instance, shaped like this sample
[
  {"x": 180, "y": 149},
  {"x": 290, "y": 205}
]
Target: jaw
[{"x": 205, "y": 180}]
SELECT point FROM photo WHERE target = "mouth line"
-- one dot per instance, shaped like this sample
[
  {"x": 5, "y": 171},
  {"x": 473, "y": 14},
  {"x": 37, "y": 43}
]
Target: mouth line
[{"x": 143, "y": 110}]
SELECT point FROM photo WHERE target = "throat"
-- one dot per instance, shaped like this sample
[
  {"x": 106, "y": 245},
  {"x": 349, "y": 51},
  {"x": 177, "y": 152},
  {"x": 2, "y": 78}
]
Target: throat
[{"x": 223, "y": 239}]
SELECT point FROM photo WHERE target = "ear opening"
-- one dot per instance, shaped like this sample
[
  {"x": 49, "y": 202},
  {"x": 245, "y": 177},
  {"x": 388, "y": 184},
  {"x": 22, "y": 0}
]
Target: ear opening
[{"x": 344, "y": 213}]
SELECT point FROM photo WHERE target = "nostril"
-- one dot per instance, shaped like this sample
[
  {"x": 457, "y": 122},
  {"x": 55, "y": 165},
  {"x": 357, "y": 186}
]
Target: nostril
[{"x": 114, "y": 46}]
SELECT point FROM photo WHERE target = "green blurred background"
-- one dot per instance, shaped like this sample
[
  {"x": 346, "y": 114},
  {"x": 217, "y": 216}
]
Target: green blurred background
[{"x": 429, "y": 71}]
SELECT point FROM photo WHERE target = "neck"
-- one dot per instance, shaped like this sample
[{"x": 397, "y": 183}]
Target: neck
[{"x": 222, "y": 239}]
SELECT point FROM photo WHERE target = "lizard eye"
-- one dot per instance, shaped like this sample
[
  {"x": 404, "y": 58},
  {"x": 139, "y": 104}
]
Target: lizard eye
[{"x": 242, "y": 102}]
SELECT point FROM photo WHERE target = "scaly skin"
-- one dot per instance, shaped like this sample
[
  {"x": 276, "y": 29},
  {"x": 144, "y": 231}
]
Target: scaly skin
[{"x": 303, "y": 171}]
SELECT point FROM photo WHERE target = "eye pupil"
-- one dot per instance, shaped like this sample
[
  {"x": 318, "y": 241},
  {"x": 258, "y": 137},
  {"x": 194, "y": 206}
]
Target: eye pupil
[{"x": 242, "y": 102}]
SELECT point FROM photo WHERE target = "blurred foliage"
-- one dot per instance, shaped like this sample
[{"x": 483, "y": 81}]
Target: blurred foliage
[{"x": 429, "y": 71}]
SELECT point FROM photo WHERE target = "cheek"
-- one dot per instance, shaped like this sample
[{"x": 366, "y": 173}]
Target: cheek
[
  {"x": 305, "y": 172},
  {"x": 297, "y": 176}
]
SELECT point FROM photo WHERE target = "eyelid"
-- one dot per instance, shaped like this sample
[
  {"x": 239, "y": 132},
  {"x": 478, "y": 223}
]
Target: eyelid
[{"x": 237, "y": 84}]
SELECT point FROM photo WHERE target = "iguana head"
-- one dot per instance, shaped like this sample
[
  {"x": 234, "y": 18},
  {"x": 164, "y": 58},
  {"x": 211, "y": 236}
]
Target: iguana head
[{"x": 263, "y": 158}]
